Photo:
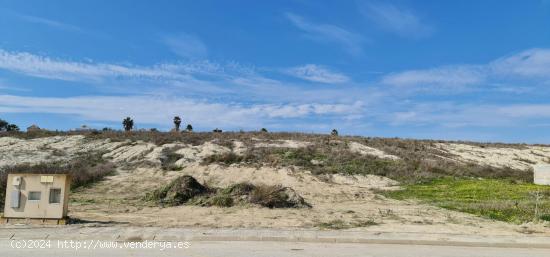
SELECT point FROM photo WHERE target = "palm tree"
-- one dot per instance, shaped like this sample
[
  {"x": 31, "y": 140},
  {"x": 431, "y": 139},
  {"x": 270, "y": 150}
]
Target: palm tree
[
  {"x": 177, "y": 122},
  {"x": 334, "y": 132},
  {"x": 263, "y": 130},
  {"x": 128, "y": 124},
  {"x": 189, "y": 128}
]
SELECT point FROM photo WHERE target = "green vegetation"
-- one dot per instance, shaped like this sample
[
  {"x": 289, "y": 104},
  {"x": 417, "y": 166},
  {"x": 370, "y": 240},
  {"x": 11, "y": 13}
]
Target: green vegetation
[
  {"x": 177, "y": 123},
  {"x": 168, "y": 159},
  {"x": 187, "y": 190},
  {"x": 497, "y": 199},
  {"x": 335, "y": 158},
  {"x": 6, "y": 126},
  {"x": 128, "y": 124}
]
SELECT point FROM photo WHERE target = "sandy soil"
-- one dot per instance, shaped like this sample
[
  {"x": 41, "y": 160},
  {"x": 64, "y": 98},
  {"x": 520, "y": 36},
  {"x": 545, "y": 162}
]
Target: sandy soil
[
  {"x": 350, "y": 199},
  {"x": 497, "y": 156},
  {"x": 366, "y": 150},
  {"x": 282, "y": 143}
]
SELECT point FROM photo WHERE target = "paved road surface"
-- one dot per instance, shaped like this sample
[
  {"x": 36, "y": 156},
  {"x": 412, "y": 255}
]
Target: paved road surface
[{"x": 281, "y": 249}]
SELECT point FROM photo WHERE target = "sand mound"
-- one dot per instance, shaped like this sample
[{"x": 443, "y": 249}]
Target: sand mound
[
  {"x": 283, "y": 144},
  {"x": 179, "y": 191},
  {"x": 365, "y": 150},
  {"x": 277, "y": 197},
  {"x": 193, "y": 154},
  {"x": 185, "y": 188},
  {"x": 239, "y": 148},
  {"x": 498, "y": 156}
]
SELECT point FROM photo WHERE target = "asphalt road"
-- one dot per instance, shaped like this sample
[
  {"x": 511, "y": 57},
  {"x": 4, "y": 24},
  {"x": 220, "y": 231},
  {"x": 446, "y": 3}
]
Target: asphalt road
[{"x": 269, "y": 249}]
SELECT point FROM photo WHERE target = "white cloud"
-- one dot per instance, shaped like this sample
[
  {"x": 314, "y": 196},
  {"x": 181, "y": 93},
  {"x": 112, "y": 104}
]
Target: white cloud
[
  {"x": 44, "y": 67},
  {"x": 399, "y": 20},
  {"x": 317, "y": 73},
  {"x": 450, "y": 76},
  {"x": 159, "y": 110},
  {"x": 186, "y": 46},
  {"x": 351, "y": 42},
  {"x": 532, "y": 63},
  {"x": 194, "y": 79},
  {"x": 50, "y": 23},
  {"x": 40, "y": 20},
  {"x": 455, "y": 115}
]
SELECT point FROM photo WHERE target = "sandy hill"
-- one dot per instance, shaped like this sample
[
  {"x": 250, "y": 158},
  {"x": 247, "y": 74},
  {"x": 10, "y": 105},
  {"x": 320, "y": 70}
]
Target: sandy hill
[{"x": 339, "y": 176}]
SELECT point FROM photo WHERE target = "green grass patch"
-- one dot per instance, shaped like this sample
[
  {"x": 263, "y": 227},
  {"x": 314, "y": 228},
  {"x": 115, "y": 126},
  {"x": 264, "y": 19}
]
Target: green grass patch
[{"x": 503, "y": 200}]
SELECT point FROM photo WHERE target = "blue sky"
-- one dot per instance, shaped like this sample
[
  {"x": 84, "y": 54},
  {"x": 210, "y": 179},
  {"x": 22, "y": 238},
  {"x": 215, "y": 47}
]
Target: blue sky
[{"x": 472, "y": 70}]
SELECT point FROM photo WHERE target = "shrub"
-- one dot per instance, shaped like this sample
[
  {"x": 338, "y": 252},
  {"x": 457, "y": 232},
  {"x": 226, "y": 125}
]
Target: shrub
[
  {"x": 239, "y": 189},
  {"x": 221, "y": 200},
  {"x": 178, "y": 191},
  {"x": 329, "y": 157},
  {"x": 186, "y": 190},
  {"x": 276, "y": 196},
  {"x": 225, "y": 158},
  {"x": 169, "y": 158},
  {"x": 545, "y": 217}
]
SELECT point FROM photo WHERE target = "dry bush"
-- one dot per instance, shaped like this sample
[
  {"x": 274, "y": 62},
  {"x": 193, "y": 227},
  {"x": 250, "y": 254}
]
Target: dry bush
[
  {"x": 168, "y": 159},
  {"x": 178, "y": 192},
  {"x": 418, "y": 161},
  {"x": 276, "y": 196},
  {"x": 187, "y": 190}
]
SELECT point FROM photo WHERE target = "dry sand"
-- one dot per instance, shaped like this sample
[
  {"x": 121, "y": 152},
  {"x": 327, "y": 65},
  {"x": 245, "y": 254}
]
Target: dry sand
[
  {"x": 366, "y": 150},
  {"x": 498, "y": 156},
  {"x": 349, "y": 199}
]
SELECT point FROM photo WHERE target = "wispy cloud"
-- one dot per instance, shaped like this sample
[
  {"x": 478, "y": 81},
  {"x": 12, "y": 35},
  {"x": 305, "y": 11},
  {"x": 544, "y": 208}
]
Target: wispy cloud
[
  {"x": 396, "y": 19},
  {"x": 351, "y": 42},
  {"x": 196, "y": 78},
  {"x": 317, "y": 73},
  {"x": 40, "y": 20},
  {"x": 448, "y": 77},
  {"x": 460, "y": 115},
  {"x": 160, "y": 109},
  {"x": 48, "y": 22},
  {"x": 531, "y": 65},
  {"x": 45, "y": 67},
  {"x": 186, "y": 45}
]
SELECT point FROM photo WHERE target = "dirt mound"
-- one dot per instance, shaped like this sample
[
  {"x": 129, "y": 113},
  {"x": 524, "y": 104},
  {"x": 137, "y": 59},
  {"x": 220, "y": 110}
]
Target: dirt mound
[
  {"x": 179, "y": 191},
  {"x": 187, "y": 190},
  {"x": 277, "y": 197}
]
